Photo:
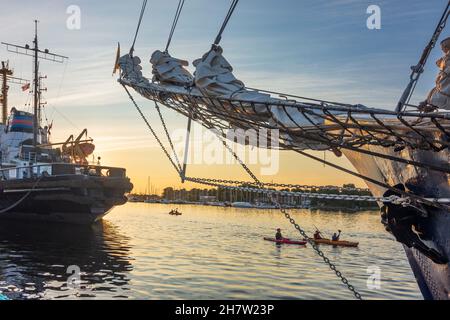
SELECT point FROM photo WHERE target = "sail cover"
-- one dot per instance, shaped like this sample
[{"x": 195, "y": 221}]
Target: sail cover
[
  {"x": 132, "y": 70},
  {"x": 440, "y": 95},
  {"x": 214, "y": 77},
  {"x": 167, "y": 69}
]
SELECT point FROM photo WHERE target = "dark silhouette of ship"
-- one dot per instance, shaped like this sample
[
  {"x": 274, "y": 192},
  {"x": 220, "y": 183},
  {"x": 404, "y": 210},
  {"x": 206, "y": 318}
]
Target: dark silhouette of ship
[{"x": 41, "y": 180}]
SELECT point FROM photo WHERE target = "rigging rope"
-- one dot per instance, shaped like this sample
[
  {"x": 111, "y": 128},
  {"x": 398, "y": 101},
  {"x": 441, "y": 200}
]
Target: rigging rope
[
  {"x": 434, "y": 203},
  {"x": 225, "y": 22},
  {"x": 418, "y": 69},
  {"x": 174, "y": 24},
  {"x": 141, "y": 15}
]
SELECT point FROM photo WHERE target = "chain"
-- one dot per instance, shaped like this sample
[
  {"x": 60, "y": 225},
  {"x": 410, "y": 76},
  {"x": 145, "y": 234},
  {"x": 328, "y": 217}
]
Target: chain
[
  {"x": 320, "y": 253},
  {"x": 348, "y": 197},
  {"x": 288, "y": 185},
  {"x": 247, "y": 169},
  {"x": 151, "y": 129},
  {"x": 167, "y": 134}
]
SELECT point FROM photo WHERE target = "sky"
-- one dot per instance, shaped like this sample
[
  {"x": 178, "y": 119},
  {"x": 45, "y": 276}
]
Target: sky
[{"x": 315, "y": 48}]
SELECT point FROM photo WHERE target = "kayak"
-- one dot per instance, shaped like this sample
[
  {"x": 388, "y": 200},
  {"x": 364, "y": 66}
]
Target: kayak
[
  {"x": 286, "y": 241},
  {"x": 341, "y": 243}
]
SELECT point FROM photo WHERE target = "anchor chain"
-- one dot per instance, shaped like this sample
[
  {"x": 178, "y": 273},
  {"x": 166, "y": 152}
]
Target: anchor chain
[{"x": 320, "y": 253}]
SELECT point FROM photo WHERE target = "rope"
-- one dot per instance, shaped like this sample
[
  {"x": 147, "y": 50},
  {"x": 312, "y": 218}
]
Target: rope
[
  {"x": 4, "y": 210},
  {"x": 418, "y": 69},
  {"x": 141, "y": 15},
  {"x": 432, "y": 203},
  {"x": 174, "y": 24},
  {"x": 225, "y": 22}
]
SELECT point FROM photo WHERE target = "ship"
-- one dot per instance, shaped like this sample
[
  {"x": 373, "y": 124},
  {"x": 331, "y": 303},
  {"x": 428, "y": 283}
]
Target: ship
[
  {"x": 402, "y": 154},
  {"x": 47, "y": 181}
]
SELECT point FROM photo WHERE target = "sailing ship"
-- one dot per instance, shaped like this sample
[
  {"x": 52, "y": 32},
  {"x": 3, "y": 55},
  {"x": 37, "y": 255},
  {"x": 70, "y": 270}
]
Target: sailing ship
[
  {"x": 402, "y": 154},
  {"x": 45, "y": 181}
]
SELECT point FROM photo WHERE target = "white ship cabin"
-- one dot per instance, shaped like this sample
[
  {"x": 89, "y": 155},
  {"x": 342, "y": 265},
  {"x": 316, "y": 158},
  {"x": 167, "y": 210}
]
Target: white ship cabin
[
  {"x": 20, "y": 160},
  {"x": 16, "y": 146}
]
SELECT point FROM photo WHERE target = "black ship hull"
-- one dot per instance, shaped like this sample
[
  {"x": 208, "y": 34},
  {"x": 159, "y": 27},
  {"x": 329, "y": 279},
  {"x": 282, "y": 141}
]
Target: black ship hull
[{"x": 75, "y": 199}]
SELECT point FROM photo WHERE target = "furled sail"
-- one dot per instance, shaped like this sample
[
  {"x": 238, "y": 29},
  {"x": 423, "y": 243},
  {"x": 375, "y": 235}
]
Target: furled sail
[
  {"x": 440, "y": 95},
  {"x": 167, "y": 69},
  {"x": 214, "y": 77},
  {"x": 132, "y": 70}
]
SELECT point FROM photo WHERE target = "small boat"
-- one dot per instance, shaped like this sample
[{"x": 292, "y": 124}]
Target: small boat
[
  {"x": 286, "y": 241},
  {"x": 341, "y": 243},
  {"x": 175, "y": 213}
]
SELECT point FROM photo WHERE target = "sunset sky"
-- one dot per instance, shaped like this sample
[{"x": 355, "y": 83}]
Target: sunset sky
[{"x": 316, "y": 48}]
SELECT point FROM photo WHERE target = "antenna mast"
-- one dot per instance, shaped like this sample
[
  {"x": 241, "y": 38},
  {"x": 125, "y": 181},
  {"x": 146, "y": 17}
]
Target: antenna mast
[
  {"x": 6, "y": 74},
  {"x": 37, "y": 54}
]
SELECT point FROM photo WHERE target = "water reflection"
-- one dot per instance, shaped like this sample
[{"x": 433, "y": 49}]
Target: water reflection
[{"x": 34, "y": 259}]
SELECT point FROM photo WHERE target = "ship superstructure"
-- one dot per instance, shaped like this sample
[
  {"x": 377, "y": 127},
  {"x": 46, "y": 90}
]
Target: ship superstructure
[{"x": 42, "y": 180}]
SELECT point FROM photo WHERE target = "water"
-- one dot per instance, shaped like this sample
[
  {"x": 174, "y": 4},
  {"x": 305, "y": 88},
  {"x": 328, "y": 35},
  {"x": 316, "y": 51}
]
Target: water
[{"x": 141, "y": 252}]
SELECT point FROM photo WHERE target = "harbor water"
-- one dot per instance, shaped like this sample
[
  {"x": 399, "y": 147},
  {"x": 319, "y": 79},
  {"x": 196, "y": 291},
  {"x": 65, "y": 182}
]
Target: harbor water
[{"x": 139, "y": 251}]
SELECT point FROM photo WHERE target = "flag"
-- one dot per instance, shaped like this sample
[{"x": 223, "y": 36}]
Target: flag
[
  {"x": 116, "y": 64},
  {"x": 26, "y": 87}
]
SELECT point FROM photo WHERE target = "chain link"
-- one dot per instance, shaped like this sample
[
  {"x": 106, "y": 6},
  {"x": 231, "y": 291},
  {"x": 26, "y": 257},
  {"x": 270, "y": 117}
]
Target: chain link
[
  {"x": 289, "y": 185},
  {"x": 167, "y": 134},
  {"x": 151, "y": 129},
  {"x": 320, "y": 252},
  {"x": 348, "y": 197}
]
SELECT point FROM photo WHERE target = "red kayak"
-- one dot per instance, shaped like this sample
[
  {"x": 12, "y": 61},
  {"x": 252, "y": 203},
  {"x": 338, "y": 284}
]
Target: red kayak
[{"x": 286, "y": 241}]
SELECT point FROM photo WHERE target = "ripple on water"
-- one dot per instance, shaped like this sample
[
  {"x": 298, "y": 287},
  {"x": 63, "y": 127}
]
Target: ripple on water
[{"x": 140, "y": 251}]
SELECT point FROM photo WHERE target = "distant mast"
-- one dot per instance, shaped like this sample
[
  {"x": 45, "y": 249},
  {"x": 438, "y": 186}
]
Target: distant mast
[
  {"x": 36, "y": 86},
  {"x": 7, "y": 78},
  {"x": 36, "y": 54}
]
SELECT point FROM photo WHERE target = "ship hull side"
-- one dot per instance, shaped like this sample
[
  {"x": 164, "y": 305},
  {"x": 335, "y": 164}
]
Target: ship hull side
[
  {"x": 73, "y": 199},
  {"x": 433, "y": 279}
]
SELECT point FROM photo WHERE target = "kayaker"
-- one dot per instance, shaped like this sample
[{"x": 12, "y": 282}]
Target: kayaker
[
  {"x": 278, "y": 235},
  {"x": 335, "y": 236},
  {"x": 317, "y": 235}
]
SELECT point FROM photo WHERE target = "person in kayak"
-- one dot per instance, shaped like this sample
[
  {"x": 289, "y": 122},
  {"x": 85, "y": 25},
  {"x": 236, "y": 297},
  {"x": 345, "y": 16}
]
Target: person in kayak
[
  {"x": 336, "y": 236},
  {"x": 278, "y": 235},
  {"x": 317, "y": 235}
]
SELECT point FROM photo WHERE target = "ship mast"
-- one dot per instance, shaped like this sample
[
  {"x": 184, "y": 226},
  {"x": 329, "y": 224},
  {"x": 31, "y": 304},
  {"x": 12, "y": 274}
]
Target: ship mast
[
  {"x": 36, "y": 85},
  {"x": 6, "y": 74},
  {"x": 37, "y": 54}
]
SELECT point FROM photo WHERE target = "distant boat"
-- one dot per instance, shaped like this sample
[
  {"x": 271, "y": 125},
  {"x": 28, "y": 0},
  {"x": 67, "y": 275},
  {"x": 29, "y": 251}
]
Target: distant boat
[
  {"x": 242, "y": 205},
  {"x": 265, "y": 206},
  {"x": 175, "y": 213}
]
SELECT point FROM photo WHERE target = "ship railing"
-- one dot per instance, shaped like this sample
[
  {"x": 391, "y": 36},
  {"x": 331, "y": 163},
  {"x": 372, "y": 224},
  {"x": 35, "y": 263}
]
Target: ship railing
[{"x": 60, "y": 169}]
